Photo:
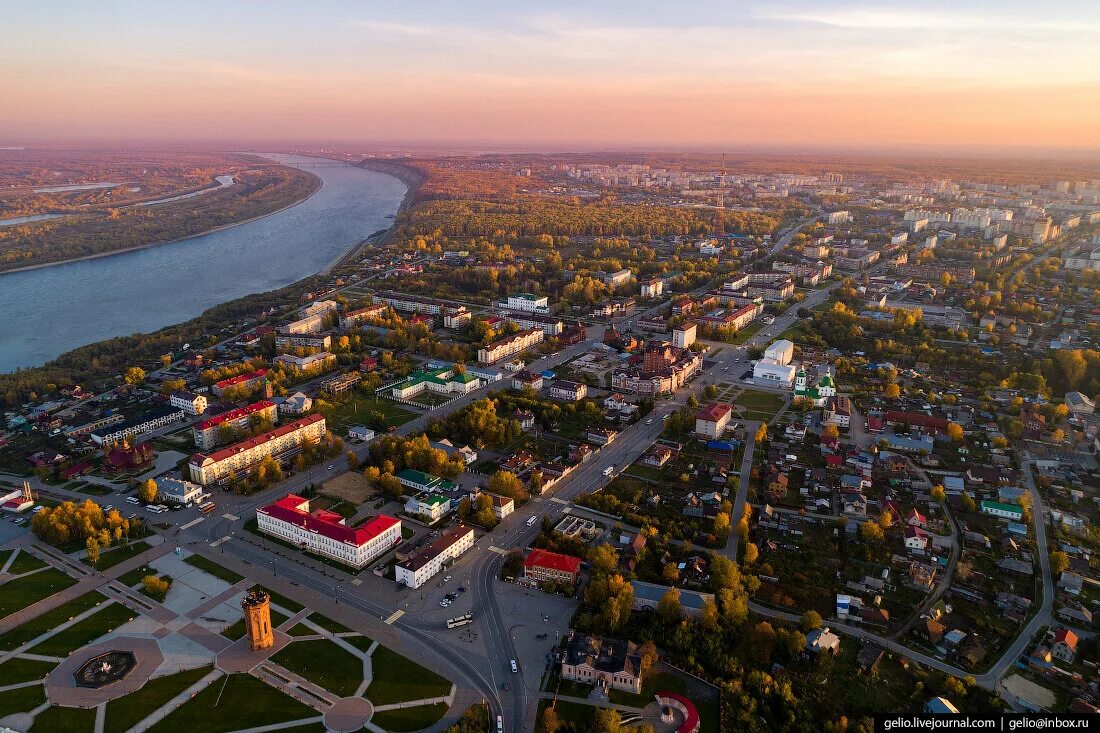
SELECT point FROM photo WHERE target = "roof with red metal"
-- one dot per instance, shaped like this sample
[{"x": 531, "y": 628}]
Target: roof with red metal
[
  {"x": 691, "y": 720},
  {"x": 293, "y": 509},
  {"x": 552, "y": 560},
  {"x": 260, "y": 439},
  {"x": 1067, "y": 637},
  {"x": 234, "y": 414},
  {"x": 916, "y": 418},
  {"x": 714, "y": 412},
  {"x": 241, "y": 379}
]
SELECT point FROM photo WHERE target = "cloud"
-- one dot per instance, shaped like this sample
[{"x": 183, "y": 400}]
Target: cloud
[{"x": 943, "y": 20}]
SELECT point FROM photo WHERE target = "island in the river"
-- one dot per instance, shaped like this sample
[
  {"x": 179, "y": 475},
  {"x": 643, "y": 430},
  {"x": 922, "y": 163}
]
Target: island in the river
[{"x": 59, "y": 206}]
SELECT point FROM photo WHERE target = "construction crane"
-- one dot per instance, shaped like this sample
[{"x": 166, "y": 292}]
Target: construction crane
[{"x": 720, "y": 202}]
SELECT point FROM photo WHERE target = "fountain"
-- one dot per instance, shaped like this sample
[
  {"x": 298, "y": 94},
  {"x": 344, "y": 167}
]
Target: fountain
[{"x": 105, "y": 669}]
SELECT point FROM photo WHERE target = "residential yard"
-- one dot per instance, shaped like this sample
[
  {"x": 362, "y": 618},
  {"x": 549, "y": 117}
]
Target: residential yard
[
  {"x": 399, "y": 679},
  {"x": 15, "y": 595},
  {"x": 324, "y": 663},
  {"x": 232, "y": 703}
]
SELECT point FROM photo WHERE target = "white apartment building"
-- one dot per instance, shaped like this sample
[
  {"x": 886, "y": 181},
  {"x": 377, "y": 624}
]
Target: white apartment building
[
  {"x": 527, "y": 302},
  {"x": 653, "y": 288},
  {"x": 325, "y": 533},
  {"x": 419, "y": 567},
  {"x": 510, "y": 345},
  {"x": 189, "y": 402},
  {"x": 239, "y": 458},
  {"x": 684, "y": 336}
]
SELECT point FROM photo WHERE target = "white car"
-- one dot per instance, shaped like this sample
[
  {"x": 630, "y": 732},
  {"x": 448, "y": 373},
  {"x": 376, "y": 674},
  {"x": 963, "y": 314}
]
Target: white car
[{"x": 649, "y": 421}]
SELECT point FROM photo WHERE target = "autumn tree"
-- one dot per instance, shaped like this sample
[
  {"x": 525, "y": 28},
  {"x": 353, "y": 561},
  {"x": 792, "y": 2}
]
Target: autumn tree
[
  {"x": 938, "y": 493},
  {"x": 955, "y": 432},
  {"x": 1059, "y": 562},
  {"x": 507, "y": 484},
  {"x": 810, "y": 620},
  {"x": 147, "y": 492},
  {"x": 92, "y": 545},
  {"x": 668, "y": 608},
  {"x": 751, "y": 553},
  {"x": 548, "y": 720},
  {"x": 871, "y": 532},
  {"x": 134, "y": 375}
]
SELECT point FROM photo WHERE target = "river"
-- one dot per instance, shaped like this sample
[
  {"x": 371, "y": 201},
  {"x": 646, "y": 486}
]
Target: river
[{"x": 51, "y": 310}]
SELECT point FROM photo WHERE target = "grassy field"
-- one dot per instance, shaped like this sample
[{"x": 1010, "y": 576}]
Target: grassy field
[
  {"x": 119, "y": 554},
  {"x": 25, "y": 562},
  {"x": 355, "y": 411},
  {"x": 324, "y": 663},
  {"x": 760, "y": 405},
  {"x": 125, "y": 712},
  {"x": 39, "y": 625},
  {"x": 95, "y": 490},
  {"x": 15, "y": 595},
  {"x": 360, "y": 642},
  {"x": 409, "y": 719},
  {"x": 86, "y": 631},
  {"x": 134, "y": 577},
  {"x": 747, "y": 332},
  {"x": 17, "y": 670},
  {"x": 328, "y": 624},
  {"x": 55, "y": 718},
  {"x": 232, "y": 703},
  {"x": 22, "y": 700},
  {"x": 212, "y": 568},
  {"x": 399, "y": 679},
  {"x": 281, "y": 600}
]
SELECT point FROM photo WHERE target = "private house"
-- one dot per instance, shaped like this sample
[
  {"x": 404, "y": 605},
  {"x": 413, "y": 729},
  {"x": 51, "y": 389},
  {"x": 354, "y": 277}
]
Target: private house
[
  {"x": 712, "y": 420},
  {"x": 647, "y": 596},
  {"x": 177, "y": 491},
  {"x": 608, "y": 663},
  {"x": 430, "y": 506},
  {"x": 998, "y": 509},
  {"x": 566, "y": 391},
  {"x": 822, "y": 640},
  {"x": 1064, "y": 645}
]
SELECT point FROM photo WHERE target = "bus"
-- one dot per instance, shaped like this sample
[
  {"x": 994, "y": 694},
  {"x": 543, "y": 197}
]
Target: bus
[
  {"x": 500, "y": 724},
  {"x": 454, "y": 623},
  {"x": 208, "y": 507},
  {"x": 531, "y": 521}
]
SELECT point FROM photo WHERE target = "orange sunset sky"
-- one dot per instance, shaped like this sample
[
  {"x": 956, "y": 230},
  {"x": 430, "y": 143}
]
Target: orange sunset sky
[{"x": 565, "y": 75}]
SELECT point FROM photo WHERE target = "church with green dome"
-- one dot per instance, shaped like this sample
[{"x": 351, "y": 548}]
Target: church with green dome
[{"x": 819, "y": 390}]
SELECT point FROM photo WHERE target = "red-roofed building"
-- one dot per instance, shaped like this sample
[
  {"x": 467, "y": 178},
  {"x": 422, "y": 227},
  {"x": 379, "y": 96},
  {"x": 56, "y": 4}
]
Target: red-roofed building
[
  {"x": 1064, "y": 645},
  {"x": 239, "y": 458},
  {"x": 712, "y": 420},
  {"x": 542, "y": 566},
  {"x": 206, "y": 432},
  {"x": 928, "y": 423},
  {"x": 241, "y": 380},
  {"x": 325, "y": 533}
]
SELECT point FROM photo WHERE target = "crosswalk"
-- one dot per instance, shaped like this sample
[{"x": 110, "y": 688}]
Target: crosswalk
[
  {"x": 497, "y": 550},
  {"x": 220, "y": 540},
  {"x": 193, "y": 522},
  {"x": 394, "y": 616},
  {"x": 230, "y": 517}
]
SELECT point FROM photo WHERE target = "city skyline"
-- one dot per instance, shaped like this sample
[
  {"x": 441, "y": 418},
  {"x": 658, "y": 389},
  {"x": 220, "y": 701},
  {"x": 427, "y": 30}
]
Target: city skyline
[{"x": 804, "y": 75}]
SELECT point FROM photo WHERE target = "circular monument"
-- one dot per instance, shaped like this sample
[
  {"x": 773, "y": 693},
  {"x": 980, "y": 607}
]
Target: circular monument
[{"x": 105, "y": 669}]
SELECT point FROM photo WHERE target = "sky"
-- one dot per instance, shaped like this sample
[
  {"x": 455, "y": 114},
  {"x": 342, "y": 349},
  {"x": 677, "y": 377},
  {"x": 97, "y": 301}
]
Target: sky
[{"x": 562, "y": 75}]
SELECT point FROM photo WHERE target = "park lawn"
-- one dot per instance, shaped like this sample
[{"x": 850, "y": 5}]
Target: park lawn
[
  {"x": 55, "y": 718},
  {"x": 232, "y": 703},
  {"x": 759, "y": 405},
  {"x": 15, "y": 595},
  {"x": 573, "y": 716},
  {"x": 399, "y": 679},
  {"x": 236, "y": 631},
  {"x": 328, "y": 624},
  {"x": 135, "y": 576},
  {"x": 212, "y": 568},
  {"x": 24, "y": 562},
  {"x": 355, "y": 411},
  {"x": 301, "y": 629},
  {"x": 39, "y": 625},
  {"x": 113, "y": 557},
  {"x": 4, "y": 555},
  {"x": 125, "y": 712},
  {"x": 324, "y": 663},
  {"x": 86, "y": 631},
  {"x": 400, "y": 720},
  {"x": 17, "y": 670},
  {"x": 21, "y": 700},
  {"x": 747, "y": 332},
  {"x": 359, "y": 642}
]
